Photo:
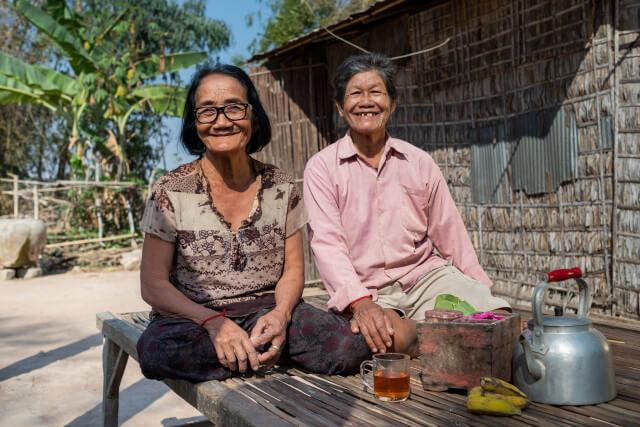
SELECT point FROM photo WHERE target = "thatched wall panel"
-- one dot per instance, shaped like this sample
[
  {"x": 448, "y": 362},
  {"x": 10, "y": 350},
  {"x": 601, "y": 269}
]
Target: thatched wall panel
[
  {"x": 504, "y": 60},
  {"x": 628, "y": 195},
  {"x": 628, "y": 169},
  {"x": 629, "y": 221},
  {"x": 628, "y": 274},
  {"x": 627, "y": 301},
  {"x": 629, "y": 118},
  {"x": 628, "y": 143},
  {"x": 628, "y": 248}
]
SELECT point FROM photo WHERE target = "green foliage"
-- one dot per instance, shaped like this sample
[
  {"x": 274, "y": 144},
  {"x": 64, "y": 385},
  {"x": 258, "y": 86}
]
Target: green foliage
[
  {"x": 115, "y": 52},
  {"x": 293, "y": 18}
]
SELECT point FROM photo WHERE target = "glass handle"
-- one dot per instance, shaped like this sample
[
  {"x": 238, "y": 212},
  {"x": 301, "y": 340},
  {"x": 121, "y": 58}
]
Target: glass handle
[{"x": 367, "y": 375}]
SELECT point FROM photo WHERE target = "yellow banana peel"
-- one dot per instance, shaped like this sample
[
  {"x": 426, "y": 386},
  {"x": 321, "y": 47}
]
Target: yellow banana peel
[
  {"x": 496, "y": 385},
  {"x": 490, "y": 405},
  {"x": 517, "y": 401}
]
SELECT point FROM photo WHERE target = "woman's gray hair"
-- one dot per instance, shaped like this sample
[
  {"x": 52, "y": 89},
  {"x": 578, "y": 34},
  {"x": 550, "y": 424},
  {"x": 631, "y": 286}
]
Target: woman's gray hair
[{"x": 364, "y": 62}]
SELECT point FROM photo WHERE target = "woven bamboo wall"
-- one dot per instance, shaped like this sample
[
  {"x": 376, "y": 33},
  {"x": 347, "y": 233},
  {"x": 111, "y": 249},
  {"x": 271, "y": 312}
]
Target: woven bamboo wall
[
  {"x": 299, "y": 106},
  {"x": 626, "y": 237},
  {"x": 505, "y": 59}
]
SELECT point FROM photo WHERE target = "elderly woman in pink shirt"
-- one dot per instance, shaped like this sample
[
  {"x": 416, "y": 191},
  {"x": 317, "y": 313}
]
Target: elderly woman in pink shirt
[{"x": 385, "y": 232}]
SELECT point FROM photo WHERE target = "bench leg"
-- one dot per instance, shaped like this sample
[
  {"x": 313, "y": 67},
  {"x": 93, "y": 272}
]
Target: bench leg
[{"x": 114, "y": 360}]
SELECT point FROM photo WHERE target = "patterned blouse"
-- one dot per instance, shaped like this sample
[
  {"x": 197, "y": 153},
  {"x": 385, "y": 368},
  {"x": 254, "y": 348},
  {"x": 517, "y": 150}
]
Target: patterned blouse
[{"x": 213, "y": 265}]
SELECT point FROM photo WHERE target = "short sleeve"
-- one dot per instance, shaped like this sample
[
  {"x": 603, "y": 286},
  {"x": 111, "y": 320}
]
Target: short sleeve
[
  {"x": 159, "y": 216},
  {"x": 296, "y": 213}
]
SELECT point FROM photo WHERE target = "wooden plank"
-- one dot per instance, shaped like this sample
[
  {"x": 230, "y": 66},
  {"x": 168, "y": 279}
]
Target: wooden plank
[
  {"x": 216, "y": 400},
  {"x": 349, "y": 408},
  {"x": 373, "y": 414},
  {"x": 290, "y": 396}
]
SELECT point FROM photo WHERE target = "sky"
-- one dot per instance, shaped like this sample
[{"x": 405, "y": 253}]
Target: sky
[{"x": 233, "y": 13}]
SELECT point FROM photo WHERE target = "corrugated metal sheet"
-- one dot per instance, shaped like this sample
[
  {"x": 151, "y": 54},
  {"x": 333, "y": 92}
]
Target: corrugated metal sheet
[
  {"x": 541, "y": 147},
  {"x": 489, "y": 163},
  {"x": 545, "y": 150},
  {"x": 606, "y": 132}
]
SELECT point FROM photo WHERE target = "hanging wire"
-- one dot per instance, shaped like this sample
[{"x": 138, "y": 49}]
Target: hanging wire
[
  {"x": 313, "y": 12},
  {"x": 365, "y": 50}
]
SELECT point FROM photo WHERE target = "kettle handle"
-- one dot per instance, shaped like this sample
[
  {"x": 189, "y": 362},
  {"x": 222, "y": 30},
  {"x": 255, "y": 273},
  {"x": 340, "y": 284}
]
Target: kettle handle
[{"x": 537, "y": 299}]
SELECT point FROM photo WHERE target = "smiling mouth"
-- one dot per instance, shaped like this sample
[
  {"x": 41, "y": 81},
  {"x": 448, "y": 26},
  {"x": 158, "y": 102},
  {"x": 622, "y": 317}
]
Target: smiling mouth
[
  {"x": 367, "y": 114},
  {"x": 224, "y": 134}
]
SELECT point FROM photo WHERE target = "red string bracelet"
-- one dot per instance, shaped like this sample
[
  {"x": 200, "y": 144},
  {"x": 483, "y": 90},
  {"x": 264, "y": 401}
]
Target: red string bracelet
[
  {"x": 223, "y": 314},
  {"x": 358, "y": 300}
]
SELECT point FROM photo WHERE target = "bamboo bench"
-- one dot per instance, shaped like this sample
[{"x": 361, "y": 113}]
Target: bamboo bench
[{"x": 288, "y": 396}]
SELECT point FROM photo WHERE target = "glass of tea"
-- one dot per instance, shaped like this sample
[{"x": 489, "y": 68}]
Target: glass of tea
[{"x": 387, "y": 375}]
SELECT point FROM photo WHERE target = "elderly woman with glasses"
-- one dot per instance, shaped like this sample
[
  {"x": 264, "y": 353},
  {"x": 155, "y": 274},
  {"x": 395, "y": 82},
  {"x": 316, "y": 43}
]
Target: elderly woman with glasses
[{"x": 222, "y": 261}]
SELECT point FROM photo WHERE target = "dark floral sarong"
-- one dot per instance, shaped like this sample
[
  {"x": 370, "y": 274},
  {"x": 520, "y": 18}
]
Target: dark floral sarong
[{"x": 317, "y": 341}]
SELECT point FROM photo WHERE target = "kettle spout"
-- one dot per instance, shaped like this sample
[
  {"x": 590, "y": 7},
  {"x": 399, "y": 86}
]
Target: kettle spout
[{"x": 533, "y": 365}]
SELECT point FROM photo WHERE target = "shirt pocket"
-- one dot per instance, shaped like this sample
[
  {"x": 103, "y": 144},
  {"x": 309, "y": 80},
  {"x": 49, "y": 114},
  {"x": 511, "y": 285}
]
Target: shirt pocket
[{"x": 414, "y": 216}]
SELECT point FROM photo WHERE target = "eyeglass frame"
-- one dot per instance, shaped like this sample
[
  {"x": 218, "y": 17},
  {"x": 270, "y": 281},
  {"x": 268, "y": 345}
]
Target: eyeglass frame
[{"x": 246, "y": 106}]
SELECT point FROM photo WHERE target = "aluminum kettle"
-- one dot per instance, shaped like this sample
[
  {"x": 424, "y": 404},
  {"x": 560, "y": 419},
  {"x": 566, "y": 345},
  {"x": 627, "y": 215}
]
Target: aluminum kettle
[{"x": 563, "y": 360}]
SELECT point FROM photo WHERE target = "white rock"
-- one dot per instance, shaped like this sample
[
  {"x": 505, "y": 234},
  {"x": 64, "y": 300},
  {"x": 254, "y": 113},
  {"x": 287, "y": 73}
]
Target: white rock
[
  {"x": 32, "y": 272},
  {"x": 7, "y": 274},
  {"x": 21, "y": 242},
  {"x": 131, "y": 260}
]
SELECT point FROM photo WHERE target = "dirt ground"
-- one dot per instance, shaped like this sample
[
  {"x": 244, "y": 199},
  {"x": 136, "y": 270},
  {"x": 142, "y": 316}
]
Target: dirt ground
[{"x": 51, "y": 354}]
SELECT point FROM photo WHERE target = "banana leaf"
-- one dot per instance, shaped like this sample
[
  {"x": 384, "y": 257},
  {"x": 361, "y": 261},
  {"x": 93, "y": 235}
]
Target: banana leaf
[
  {"x": 163, "y": 99},
  {"x": 71, "y": 44},
  {"x": 151, "y": 66},
  {"x": 15, "y": 92},
  {"x": 45, "y": 79},
  {"x": 59, "y": 11}
]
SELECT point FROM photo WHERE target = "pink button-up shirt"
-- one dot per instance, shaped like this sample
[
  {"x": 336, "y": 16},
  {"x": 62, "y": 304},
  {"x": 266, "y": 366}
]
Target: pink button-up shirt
[{"x": 369, "y": 227}]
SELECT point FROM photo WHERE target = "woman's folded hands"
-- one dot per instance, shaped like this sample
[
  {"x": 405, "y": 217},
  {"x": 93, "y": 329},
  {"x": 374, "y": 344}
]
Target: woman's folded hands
[
  {"x": 270, "y": 328},
  {"x": 233, "y": 347},
  {"x": 237, "y": 351}
]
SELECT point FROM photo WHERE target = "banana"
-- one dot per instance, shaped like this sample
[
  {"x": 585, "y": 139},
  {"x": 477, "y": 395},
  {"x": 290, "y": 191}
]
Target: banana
[
  {"x": 476, "y": 391},
  {"x": 489, "y": 405},
  {"x": 496, "y": 385},
  {"x": 517, "y": 401}
]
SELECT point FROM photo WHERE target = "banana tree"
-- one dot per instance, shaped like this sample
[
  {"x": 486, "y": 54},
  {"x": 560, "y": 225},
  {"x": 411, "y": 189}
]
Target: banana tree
[{"x": 96, "y": 82}]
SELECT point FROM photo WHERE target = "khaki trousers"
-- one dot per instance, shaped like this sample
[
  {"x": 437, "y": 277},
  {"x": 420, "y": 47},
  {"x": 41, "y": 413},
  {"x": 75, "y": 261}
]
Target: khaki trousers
[{"x": 443, "y": 280}]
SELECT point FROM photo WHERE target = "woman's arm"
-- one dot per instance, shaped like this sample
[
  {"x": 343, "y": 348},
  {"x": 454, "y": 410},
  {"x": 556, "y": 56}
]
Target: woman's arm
[
  {"x": 291, "y": 284},
  {"x": 272, "y": 327},
  {"x": 231, "y": 343},
  {"x": 155, "y": 287}
]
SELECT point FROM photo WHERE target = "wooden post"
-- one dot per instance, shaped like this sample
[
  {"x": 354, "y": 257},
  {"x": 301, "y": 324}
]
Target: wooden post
[
  {"x": 15, "y": 195},
  {"x": 98, "y": 199},
  {"x": 132, "y": 227},
  {"x": 114, "y": 360},
  {"x": 36, "y": 210}
]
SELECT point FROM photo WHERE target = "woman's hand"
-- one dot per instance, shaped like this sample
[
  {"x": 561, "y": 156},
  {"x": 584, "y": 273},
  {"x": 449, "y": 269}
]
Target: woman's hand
[
  {"x": 374, "y": 324},
  {"x": 272, "y": 327},
  {"x": 232, "y": 345}
]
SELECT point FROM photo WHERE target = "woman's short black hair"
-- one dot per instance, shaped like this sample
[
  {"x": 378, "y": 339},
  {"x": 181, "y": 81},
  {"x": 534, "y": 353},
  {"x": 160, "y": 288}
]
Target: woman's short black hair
[
  {"x": 364, "y": 62},
  {"x": 259, "y": 120}
]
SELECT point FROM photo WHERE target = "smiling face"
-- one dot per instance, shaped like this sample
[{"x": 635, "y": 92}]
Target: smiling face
[
  {"x": 366, "y": 106},
  {"x": 223, "y": 135}
]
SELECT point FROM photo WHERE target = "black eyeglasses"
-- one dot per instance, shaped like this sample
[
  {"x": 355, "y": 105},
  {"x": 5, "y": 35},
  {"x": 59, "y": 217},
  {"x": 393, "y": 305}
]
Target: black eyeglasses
[{"x": 209, "y": 114}]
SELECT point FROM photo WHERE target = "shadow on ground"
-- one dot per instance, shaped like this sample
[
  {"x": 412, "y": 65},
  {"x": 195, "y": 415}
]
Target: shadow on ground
[
  {"x": 44, "y": 358},
  {"x": 133, "y": 399}
]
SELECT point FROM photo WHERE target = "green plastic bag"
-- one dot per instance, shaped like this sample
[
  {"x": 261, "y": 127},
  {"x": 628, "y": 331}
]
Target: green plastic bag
[{"x": 452, "y": 302}]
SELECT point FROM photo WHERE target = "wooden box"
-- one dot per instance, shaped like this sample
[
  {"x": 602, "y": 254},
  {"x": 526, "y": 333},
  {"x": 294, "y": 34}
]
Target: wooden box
[{"x": 455, "y": 354}]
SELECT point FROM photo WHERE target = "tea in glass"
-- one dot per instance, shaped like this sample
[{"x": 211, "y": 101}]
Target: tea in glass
[{"x": 390, "y": 376}]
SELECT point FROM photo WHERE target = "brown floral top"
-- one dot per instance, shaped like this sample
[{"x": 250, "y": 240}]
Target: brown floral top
[{"x": 213, "y": 265}]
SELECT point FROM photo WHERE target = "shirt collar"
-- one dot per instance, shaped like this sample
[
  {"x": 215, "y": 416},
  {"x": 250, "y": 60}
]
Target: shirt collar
[{"x": 346, "y": 148}]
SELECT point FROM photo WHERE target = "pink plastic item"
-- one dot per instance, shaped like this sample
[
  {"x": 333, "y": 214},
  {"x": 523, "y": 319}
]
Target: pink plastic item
[{"x": 484, "y": 315}]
